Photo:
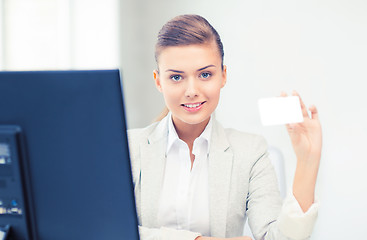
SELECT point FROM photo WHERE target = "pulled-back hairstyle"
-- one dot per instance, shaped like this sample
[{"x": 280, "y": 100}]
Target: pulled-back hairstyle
[{"x": 187, "y": 30}]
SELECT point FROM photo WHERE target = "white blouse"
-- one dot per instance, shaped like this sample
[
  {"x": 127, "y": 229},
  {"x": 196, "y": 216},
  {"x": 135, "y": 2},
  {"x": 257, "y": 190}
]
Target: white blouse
[{"x": 184, "y": 202}]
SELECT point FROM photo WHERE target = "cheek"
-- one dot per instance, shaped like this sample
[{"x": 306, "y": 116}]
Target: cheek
[
  {"x": 171, "y": 93},
  {"x": 213, "y": 90}
]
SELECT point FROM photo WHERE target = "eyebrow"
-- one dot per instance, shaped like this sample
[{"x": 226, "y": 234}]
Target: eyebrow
[
  {"x": 200, "y": 69},
  {"x": 172, "y": 70}
]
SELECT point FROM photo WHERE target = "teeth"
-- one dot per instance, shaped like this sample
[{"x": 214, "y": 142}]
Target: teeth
[{"x": 192, "y": 105}]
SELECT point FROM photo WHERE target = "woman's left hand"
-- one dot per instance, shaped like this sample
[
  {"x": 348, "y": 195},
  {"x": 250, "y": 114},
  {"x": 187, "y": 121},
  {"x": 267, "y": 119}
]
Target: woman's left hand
[{"x": 306, "y": 136}]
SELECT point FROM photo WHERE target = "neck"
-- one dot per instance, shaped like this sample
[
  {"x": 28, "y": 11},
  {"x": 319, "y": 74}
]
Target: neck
[{"x": 189, "y": 132}]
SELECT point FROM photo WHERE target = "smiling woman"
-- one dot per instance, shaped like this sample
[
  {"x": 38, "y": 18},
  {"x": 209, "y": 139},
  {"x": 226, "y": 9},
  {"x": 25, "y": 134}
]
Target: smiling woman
[
  {"x": 190, "y": 79},
  {"x": 193, "y": 179},
  {"x": 189, "y": 31}
]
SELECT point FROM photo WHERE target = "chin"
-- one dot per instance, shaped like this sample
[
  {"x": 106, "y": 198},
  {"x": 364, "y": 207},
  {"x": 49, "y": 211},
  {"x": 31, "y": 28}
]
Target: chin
[{"x": 194, "y": 120}]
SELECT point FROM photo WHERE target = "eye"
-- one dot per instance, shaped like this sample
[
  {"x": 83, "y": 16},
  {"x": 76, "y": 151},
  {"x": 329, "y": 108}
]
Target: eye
[
  {"x": 176, "y": 77},
  {"x": 205, "y": 75}
]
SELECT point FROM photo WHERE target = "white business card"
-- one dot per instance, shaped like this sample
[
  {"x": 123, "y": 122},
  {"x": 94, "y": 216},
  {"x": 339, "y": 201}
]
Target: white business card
[{"x": 280, "y": 110}]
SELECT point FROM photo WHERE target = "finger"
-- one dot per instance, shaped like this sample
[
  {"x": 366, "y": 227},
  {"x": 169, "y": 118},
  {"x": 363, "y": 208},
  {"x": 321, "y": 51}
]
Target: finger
[
  {"x": 283, "y": 94},
  {"x": 314, "y": 112},
  {"x": 303, "y": 107}
]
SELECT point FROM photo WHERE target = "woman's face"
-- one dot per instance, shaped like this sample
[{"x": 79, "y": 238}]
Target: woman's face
[{"x": 190, "y": 79}]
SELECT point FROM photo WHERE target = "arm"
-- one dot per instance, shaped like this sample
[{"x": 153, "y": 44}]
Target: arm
[
  {"x": 306, "y": 138},
  {"x": 267, "y": 217}
]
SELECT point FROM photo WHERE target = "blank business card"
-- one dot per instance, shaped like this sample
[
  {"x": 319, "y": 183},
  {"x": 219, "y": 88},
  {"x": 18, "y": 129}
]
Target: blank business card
[{"x": 280, "y": 110}]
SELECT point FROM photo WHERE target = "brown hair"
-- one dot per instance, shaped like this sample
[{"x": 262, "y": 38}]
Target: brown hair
[{"x": 186, "y": 30}]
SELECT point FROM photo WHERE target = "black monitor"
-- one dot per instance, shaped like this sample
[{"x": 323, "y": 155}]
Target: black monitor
[{"x": 64, "y": 160}]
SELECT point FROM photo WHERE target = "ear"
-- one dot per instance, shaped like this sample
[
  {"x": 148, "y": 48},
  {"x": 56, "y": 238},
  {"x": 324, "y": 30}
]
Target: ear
[
  {"x": 157, "y": 81},
  {"x": 224, "y": 76}
]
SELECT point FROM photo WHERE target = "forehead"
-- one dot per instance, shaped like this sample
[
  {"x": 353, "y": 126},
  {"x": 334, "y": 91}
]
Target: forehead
[{"x": 189, "y": 57}]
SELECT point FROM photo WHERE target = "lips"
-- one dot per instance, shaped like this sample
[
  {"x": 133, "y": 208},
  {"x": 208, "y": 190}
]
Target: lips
[{"x": 193, "y": 107}]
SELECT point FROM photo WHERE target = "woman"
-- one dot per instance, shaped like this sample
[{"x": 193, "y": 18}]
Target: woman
[{"x": 193, "y": 179}]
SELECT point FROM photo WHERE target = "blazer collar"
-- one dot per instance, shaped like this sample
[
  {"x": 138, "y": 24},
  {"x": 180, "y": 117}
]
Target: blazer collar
[{"x": 160, "y": 132}]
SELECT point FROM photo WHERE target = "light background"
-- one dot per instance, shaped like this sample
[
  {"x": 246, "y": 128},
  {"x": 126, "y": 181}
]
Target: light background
[{"x": 316, "y": 47}]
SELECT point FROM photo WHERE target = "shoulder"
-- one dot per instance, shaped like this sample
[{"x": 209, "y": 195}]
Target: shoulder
[
  {"x": 245, "y": 141},
  {"x": 238, "y": 141},
  {"x": 137, "y": 136},
  {"x": 141, "y": 137},
  {"x": 153, "y": 132},
  {"x": 245, "y": 147}
]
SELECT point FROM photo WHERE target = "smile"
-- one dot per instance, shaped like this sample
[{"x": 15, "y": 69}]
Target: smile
[{"x": 192, "y": 107}]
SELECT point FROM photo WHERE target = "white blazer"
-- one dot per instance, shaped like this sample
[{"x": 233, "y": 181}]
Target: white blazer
[{"x": 242, "y": 183}]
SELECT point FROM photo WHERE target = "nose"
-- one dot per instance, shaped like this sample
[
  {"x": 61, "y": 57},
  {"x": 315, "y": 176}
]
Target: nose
[{"x": 192, "y": 89}]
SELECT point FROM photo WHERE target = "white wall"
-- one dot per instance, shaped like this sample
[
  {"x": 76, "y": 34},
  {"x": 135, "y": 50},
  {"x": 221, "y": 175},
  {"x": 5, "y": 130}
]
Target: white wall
[
  {"x": 59, "y": 34},
  {"x": 316, "y": 47},
  {"x": 1, "y": 35}
]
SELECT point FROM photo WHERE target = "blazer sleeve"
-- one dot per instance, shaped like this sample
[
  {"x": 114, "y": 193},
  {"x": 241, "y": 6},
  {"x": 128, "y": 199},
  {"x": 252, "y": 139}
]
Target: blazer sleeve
[{"x": 268, "y": 217}]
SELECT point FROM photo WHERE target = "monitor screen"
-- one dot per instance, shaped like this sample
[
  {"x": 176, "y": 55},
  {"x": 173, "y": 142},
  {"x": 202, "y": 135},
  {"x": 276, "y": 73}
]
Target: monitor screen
[{"x": 64, "y": 160}]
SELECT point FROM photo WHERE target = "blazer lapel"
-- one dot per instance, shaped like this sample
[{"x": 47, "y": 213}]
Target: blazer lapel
[
  {"x": 152, "y": 171},
  {"x": 220, "y": 171}
]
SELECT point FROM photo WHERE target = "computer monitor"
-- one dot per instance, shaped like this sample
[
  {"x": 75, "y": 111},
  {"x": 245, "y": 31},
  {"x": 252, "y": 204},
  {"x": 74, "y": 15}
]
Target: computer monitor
[{"x": 64, "y": 160}]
